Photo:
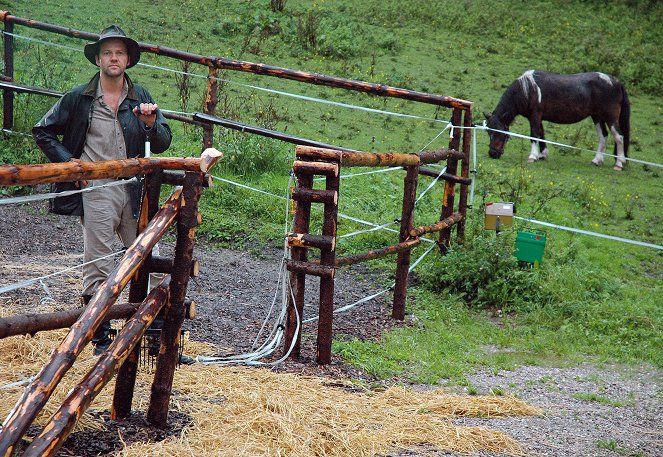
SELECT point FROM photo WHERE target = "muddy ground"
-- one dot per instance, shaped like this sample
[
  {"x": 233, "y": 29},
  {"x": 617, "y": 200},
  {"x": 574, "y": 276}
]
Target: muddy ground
[{"x": 233, "y": 294}]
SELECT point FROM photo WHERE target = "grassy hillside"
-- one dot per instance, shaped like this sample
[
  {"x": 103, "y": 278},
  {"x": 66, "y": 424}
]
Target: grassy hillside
[{"x": 590, "y": 298}]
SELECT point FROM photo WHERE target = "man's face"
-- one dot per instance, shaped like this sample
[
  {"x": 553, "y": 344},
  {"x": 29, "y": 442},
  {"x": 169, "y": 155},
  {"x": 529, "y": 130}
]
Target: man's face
[{"x": 113, "y": 58}]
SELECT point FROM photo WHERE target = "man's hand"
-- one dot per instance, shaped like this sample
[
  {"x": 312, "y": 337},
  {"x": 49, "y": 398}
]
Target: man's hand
[
  {"x": 147, "y": 112},
  {"x": 78, "y": 184}
]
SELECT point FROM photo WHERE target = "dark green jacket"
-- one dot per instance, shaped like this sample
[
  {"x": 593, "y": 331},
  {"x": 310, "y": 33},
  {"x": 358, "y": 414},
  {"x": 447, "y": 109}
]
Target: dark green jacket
[{"x": 70, "y": 118}]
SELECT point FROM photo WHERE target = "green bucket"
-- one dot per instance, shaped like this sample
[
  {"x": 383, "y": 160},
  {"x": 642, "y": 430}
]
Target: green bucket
[{"x": 530, "y": 246}]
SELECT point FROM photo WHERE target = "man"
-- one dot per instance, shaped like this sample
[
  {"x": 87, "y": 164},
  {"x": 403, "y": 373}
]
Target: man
[{"x": 109, "y": 118}]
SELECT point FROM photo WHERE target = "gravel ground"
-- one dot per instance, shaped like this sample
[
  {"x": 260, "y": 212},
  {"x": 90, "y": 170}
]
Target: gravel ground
[{"x": 589, "y": 411}]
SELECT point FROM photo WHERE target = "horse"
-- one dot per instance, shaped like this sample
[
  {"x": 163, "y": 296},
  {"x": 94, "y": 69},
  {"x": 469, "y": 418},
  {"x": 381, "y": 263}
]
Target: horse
[{"x": 563, "y": 99}]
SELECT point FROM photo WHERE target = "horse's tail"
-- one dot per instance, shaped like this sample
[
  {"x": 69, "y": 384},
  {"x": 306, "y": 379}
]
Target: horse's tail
[{"x": 625, "y": 120}]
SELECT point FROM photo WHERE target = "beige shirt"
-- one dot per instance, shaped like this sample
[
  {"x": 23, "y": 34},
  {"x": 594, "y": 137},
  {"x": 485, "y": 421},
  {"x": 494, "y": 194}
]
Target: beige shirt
[{"x": 104, "y": 139}]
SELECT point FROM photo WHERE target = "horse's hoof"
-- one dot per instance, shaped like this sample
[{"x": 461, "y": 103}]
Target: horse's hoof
[
  {"x": 596, "y": 164},
  {"x": 617, "y": 168},
  {"x": 530, "y": 160}
]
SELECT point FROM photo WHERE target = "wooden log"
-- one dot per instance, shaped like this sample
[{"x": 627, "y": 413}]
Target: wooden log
[
  {"x": 441, "y": 225},
  {"x": 185, "y": 119},
  {"x": 157, "y": 413},
  {"x": 247, "y": 128},
  {"x": 310, "y": 268},
  {"x": 327, "y": 259},
  {"x": 208, "y": 159},
  {"x": 11, "y": 86},
  {"x": 306, "y": 240},
  {"x": 444, "y": 240},
  {"x": 61, "y": 424},
  {"x": 444, "y": 176},
  {"x": 315, "y": 168},
  {"x": 29, "y": 324},
  {"x": 315, "y": 195},
  {"x": 211, "y": 99},
  {"x": 295, "y": 308},
  {"x": 357, "y": 159},
  {"x": 377, "y": 253},
  {"x": 464, "y": 171},
  {"x": 8, "y": 95},
  {"x": 403, "y": 258},
  {"x": 440, "y": 154},
  {"x": 14, "y": 175},
  {"x": 36, "y": 394}
]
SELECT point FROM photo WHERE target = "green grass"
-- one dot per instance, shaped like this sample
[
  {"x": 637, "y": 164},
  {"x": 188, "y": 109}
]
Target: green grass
[
  {"x": 594, "y": 397},
  {"x": 590, "y": 300}
]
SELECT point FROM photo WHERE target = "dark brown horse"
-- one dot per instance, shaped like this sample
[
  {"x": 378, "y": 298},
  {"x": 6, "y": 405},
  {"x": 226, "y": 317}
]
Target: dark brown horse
[{"x": 563, "y": 99}]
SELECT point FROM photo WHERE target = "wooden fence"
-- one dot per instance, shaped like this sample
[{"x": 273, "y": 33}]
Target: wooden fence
[{"x": 181, "y": 208}]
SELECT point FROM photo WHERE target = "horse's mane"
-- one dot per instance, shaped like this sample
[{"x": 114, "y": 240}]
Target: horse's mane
[{"x": 515, "y": 99}]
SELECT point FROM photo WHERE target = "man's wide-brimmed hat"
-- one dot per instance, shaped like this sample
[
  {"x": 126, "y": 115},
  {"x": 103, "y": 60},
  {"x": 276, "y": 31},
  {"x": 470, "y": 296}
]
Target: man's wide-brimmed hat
[{"x": 113, "y": 32}]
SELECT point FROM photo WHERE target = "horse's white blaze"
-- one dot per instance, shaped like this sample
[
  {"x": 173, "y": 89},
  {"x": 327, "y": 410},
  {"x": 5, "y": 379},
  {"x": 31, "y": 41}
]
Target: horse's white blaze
[
  {"x": 605, "y": 77},
  {"x": 598, "y": 158},
  {"x": 619, "y": 141}
]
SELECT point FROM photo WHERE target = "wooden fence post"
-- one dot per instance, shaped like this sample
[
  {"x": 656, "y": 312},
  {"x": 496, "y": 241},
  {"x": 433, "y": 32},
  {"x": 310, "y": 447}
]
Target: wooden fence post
[
  {"x": 403, "y": 259},
  {"x": 126, "y": 376},
  {"x": 450, "y": 186},
  {"x": 301, "y": 223},
  {"x": 327, "y": 258},
  {"x": 157, "y": 413},
  {"x": 211, "y": 100},
  {"x": 8, "y": 95}
]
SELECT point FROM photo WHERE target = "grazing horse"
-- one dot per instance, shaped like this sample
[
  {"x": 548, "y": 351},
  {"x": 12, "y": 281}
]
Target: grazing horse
[{"x": 563, "y": 99}]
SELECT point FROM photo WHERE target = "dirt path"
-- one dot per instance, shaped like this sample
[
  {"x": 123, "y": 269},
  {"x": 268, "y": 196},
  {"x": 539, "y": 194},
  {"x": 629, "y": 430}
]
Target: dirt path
[{"x": 590, "y": 411}]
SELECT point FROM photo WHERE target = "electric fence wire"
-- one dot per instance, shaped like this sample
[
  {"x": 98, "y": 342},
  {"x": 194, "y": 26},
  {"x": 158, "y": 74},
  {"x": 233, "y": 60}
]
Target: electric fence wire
[{"x": 273, "y": 340}]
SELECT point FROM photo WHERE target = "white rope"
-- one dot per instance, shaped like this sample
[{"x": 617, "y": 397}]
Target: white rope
[
  {"x": 372, "y": 172},
  {"x": 36, "y": 197},
  {"x": 274, "y": 339},
  {"x": 587, "y": 232},
  {"x": 371, "y": 297},
  {"x": 430, "y": 186},
  {"x": 568, "y": 146},
  {"x": 372, "y": 229},
  {"x": 29, "y": 282},
  {"x": 473, "y": 171}
]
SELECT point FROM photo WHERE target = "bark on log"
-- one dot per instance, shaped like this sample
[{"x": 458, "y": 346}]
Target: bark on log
[
  {"x": 315, "y": 195},
  {"x": 247, "y": 128},
  {"x": 187, "y": 222},
  {"x": 63, "y": 357},
  {"x": 444, "y": 240},
  {"x": 377, "y": 253},
  {"x": 306, "y": 240},
  {"x": 403, "y": 258},
  {"x": 357, "y": 159},
  {"x": 14, "y": 175},
  {"x": 322, "y": 271},
  {"x": 29, "y": 324},
  {"x": 315, "y": 168},
  {"x": 441, "y": 225},
  {"x": 427, "y": 157},
  {"x": 61, "y": 424}
]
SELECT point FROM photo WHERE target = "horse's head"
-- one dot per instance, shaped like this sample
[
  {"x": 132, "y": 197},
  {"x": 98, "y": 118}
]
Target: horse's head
[{"x": 497, "y": 139}]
